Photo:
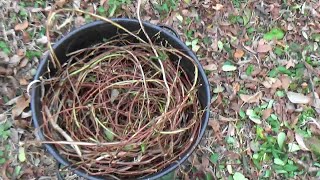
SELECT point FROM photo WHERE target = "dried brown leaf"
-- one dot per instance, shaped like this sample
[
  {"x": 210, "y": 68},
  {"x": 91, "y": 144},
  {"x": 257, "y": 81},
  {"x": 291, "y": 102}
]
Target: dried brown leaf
[
  {"x": 4, "y": 57},
  {"x": 61, "y": 3},
  {"x": 263, "y": 48},
  {"x": 217, "y": 7},
  {"x": 210, "y": 67},
  {"x": 214, "y": 125},
  {"x": 300, "y": 142},
  {"x": 21, "y": 104},
  {"x": 3, "y": 118},
  {"x": 266, "y": 113},
  {"x": 290, "y": 64},
  {"x": 22, "y": 26},
  {"x": 24, "y": 62},
  {"x": 285, "y": 82},
  {"x": 26, "y": 37},
  {"x": 297, "y": 98},
  {"x": 239, "y": 53},
  {"x": 23, "y": 82},
  {"x": 251, "y": 98}
]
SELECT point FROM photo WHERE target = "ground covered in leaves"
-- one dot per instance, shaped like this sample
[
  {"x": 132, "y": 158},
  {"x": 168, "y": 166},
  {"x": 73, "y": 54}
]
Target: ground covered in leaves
[{"x": 262, "y": 59}]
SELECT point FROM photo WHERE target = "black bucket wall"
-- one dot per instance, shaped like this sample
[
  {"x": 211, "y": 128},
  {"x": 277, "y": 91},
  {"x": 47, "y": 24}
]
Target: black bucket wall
[{"x": 96, "y": 32}]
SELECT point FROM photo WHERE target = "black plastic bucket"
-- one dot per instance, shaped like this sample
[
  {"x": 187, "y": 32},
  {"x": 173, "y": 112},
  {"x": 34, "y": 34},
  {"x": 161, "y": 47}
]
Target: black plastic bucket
[{"x": 95, "y": 32}]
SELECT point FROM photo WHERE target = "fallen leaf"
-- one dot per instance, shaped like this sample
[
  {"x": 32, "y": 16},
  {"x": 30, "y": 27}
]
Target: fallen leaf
[
  {"x": 300, "y": 142},
  {"x": 313, "y": 143},
  {"x": 229, "y": 67},
  {"x": 210, "y": 67},
  {"x": 26, "y": 37},
  {"x": 24, "y": 62},
  {"x": 22, "y": 154},
  {"x": 23, "y": 82},
  {"x": 23, "y": 124},
  {"x": 22, "y": 26},
  {"x": 21, "y": 104},
  {"x": 217, "y": 7},
  {"x": 26, "y": 114},
  {"x": 239, "y": 176},
  {"x": 4, "y": 57},
  {"x": 263, "y": 48},
  {"x": 275, "y": 33},
  {"x": 285, "y": 82},
  {"x": 231, "y": 129},
  {"x": 278, "y": 162},
  {"x": 277, "y": 84},
  {"x": 102, "y": 2},
  {"x": 214, "y": 124},
  {"x": 42, "y": 40},
  {"x": 266, "y": 113},
  {"x": 239, "y": 53},
  {"x": 21, "y": 52},
  {"x": 251, "y": 98},
  {"x": 253, "y": 117},
  {"x": 3, "y": 118},
  {"x": 297, "y": 98},
  {"x": 281, "y": 139},
  {"x": 268, "y": 82},
  {"x": 290, "y": 63},
  {"x": 61, "y": 3},
  {"x": 229, "y": 169},
  {"x": 13, "y": 100},
  {"x": 292, "y": 147},
  {"x": 15, "y": 60}
]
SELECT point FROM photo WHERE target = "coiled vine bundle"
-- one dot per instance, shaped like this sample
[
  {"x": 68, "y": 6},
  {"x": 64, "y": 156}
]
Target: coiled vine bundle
[{"x": 110, "y": 112}]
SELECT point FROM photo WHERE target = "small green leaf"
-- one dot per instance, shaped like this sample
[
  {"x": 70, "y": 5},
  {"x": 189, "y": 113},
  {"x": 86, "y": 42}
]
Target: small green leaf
[
  {"x": 2, "y": 160},
  {"x": 101, "y": 10},
  {"x": 22, "y": 155},
  {"x": 239, "y": 176},
  {"x": 220, "y": 45},
  {"x": 229, "y": 67},
  {"x": 281, "y": 139},
  {"x": 143, "y": 147},
  {"x": 280, "y": 93},
  {"x": 290, "y": 167},
  {"x": 267, "y": 174},
  {"x": 292, "y": 147},
  {"x": 214, "y": 158},
  {"x": 17, "y": 170},
  {"x": 1, "y": 153},
  {"x": 242, "y": 114},
  {"x": 209, "y": 176},
  {"x": 316, "y": 37},
  {"x": 278, "y": 162},
  {"x": 275, "y": 33},
  {"x": 253, "y": 116},
  {"x": 260, "y": 132},
  {"x": 280, "y": 171},
  {"x": 284, "y": 70},
  {"x": 112, "y": 10},
  {"x": 109, "y": 134},
  {"x": 273, "y": 73},
  {"x": 249, "y": 70},
  {"x": 247, "y": 16}
]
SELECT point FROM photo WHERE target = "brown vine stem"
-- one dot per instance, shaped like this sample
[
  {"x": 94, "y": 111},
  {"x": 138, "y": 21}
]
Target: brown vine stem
[{"x": 60, "y": 130}]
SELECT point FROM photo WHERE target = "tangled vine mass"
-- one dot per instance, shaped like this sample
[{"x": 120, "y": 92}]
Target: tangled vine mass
[{"x": 122, "y": 108}]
